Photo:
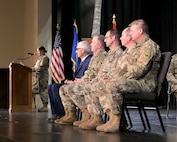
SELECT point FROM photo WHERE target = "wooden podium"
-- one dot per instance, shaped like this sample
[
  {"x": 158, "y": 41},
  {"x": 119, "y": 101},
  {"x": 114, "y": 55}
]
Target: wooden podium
[{"x": 20, "y": 87}]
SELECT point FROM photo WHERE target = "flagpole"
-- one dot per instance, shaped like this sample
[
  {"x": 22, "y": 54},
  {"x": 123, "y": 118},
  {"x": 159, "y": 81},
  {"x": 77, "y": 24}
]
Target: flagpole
[
  {"x": 75, "y": 25},
  {"x": 75, "y": 41}
]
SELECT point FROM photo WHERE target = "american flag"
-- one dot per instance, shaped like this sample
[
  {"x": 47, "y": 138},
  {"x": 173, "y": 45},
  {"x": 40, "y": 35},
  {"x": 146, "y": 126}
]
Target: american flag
[{"x": 56, "y": 64}]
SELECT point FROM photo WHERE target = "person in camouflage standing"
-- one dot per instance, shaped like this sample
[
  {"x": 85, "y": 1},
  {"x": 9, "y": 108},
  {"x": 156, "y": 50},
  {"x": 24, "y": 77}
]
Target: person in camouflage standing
[
  {"x": 172, "y": 75},
  {"x": 40, "y": 77},
  {"x": 137, "y": 72},
  {"x": 74, "y": 95}
]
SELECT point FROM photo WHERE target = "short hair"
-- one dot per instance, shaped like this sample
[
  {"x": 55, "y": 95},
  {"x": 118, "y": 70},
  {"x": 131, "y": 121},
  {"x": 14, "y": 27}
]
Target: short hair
[
  {"x": 142, "y": 24},
  {"x": 115, "y": 33},
  {"x": 101, "y": 39},
  {"x": 126, "y": 30},
  {"x": 84, "y": 45},
  {"x": 42, "y": 48}
]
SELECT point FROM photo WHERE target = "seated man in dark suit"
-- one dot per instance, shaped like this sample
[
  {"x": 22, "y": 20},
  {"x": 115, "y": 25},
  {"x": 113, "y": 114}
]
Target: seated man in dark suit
[{"x": 83, "y": 53}]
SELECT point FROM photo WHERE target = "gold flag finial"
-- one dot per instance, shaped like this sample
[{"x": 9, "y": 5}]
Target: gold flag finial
[
  {"x": 58, "y": 26},
  {"x": 114, "y": 25},
  {"x": 114, "y": 17},
  {"x": 75, "y": 25},
  {"x": 74, "y": 22}
]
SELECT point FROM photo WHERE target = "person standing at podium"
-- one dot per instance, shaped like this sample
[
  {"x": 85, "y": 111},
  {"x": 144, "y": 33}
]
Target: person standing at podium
[{"x": 40, "y": 77}]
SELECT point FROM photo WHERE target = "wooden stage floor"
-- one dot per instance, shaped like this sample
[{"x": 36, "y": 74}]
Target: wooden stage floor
[{"x": 33, "y": 127}]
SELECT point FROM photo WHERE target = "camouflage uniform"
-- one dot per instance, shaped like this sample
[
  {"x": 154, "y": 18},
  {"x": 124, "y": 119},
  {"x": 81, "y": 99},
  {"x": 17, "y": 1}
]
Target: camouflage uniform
[
  {"x": 74, "y": 94},
  {"x": 40, "y": 78},
  {"x": 132, "y": 75},
  {"x": 93, "y": 68},
  {"x": 172, "y": 75}
]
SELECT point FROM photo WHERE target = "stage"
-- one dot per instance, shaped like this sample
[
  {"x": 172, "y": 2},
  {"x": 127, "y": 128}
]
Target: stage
[{"x": 33, "y": 127}]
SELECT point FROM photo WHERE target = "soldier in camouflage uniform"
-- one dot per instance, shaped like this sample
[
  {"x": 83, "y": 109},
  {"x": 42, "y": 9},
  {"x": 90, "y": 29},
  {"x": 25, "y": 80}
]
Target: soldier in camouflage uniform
[
  {"x": 93, "y": 104},
  {"x": 74, "y": 95},
  {"x": 40, "y": 77},
  {"x": 97, "y": 47},
  {"x": 172, "y": 75},
  {"x": 137, "y": 71}
]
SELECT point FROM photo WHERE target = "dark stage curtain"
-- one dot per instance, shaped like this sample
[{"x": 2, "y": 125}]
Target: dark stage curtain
[
  {"x": 161, "y": 18},
  {"x": 69, "y": 10}
]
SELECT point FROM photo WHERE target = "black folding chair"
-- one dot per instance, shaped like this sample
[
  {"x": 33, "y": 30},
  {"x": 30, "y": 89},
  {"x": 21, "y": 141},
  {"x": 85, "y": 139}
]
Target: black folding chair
[
  {"x": 141, "y": 100},
  {"x": 171, "y": 99}
]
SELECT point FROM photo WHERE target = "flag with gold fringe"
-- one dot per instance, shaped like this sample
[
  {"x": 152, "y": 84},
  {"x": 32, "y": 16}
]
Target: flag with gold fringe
[
  {"x": 74, "y": 58},
  {"x": 56, "y": 64}
]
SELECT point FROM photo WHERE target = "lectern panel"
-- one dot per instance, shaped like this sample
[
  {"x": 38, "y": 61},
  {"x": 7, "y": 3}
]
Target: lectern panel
[{"x": 20, "y": 88}]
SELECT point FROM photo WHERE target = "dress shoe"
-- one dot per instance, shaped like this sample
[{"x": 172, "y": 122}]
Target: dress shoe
[
  {"x": 43, "y": 109},
  {"x": 53, "y": 118}
]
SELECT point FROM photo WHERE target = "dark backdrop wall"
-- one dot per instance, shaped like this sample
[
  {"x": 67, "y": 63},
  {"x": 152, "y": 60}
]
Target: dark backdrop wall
[
  {"x": 161, "y": 18},
  {"x": 64, "y": 13}
]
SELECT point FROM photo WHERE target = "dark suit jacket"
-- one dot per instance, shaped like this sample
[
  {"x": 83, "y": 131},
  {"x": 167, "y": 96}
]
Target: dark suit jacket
[{"x": 82, "y": 68}]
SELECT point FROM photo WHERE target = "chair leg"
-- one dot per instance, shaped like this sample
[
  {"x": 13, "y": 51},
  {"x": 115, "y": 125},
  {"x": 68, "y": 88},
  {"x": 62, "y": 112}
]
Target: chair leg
[
  {"x": 123, "y": 118},
  {"x": 176, "y": 107},
  {"x": 105, "y": 117},
  {"x": 141, "y": 116},
  {"x": 79, "y": 114},
  {"x": 160, "y": 118},
  {"x": 168, "y": 105},
  {"x": 125, "y": 109},
  {"x": 147, "y": 120},
  {"x": 129, "y": 119}
]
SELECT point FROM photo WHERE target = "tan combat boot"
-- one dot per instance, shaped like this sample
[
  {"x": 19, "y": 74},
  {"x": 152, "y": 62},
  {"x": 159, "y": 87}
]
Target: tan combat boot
[
  {"x": 71, "y": 117},
  {"x": 86, "y": 122},
  {"x": 114, "y": 123},
  {"x": 96, "y": 121},
  {"x": 64, "y": 117},
  {"x": 101, "y": 127},
  {"x": 85, "y": 117}
]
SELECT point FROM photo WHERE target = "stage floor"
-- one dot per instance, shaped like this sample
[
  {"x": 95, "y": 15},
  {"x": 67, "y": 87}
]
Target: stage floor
[{"x": 33, "y": 127}]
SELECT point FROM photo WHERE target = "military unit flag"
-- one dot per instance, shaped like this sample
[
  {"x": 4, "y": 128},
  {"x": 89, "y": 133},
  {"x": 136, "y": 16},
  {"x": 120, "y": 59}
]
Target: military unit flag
[{"x": 74, "y": 58}]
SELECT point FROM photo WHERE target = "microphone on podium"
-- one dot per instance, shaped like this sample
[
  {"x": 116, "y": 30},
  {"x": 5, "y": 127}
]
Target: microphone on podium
[
  {"x": 29, "y": 53},
  {"x": 25, "y": 58}
]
